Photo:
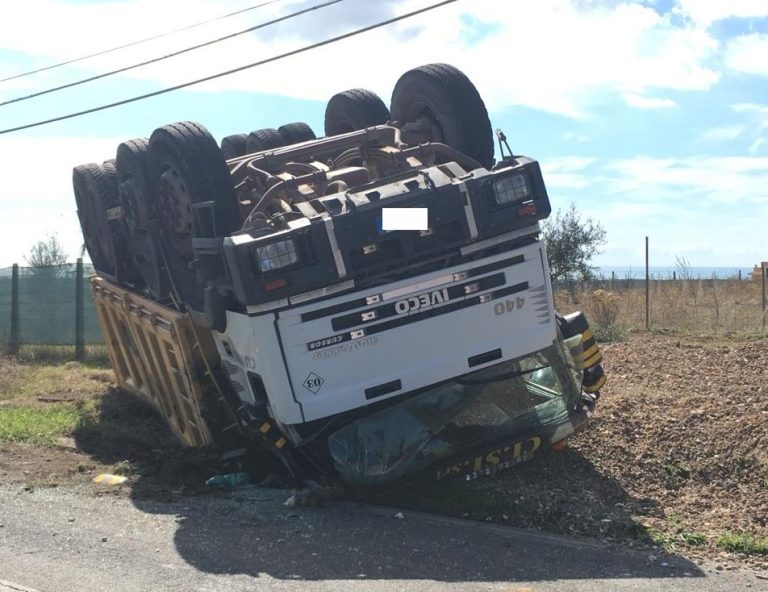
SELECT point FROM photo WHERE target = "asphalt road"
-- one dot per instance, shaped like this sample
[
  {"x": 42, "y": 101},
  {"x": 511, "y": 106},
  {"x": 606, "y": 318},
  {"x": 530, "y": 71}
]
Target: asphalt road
[{"x": 61, "y": 540}]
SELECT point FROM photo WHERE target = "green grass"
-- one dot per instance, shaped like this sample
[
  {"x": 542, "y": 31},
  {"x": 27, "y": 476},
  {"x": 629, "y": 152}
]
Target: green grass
[
  {"x": 670, "y": 541},
  {"x": 38, "y": 425},
  {"x": 743, "y": 543},
  {"x": 692, "y": 539}
]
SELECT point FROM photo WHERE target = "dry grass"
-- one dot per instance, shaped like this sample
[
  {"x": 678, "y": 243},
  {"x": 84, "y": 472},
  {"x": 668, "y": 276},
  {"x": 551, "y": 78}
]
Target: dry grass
[
  {"x": 20, "y": 382},
  {"x": 686, "y": 306}
]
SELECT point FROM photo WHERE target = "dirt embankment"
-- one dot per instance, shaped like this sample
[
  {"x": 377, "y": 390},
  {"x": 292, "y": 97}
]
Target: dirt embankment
[{"x": 676, "y": 456}]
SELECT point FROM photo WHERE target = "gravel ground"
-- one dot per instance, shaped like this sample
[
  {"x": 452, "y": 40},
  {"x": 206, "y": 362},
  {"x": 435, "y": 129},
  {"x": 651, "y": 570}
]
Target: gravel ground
[{"x": 676, "y": 456}]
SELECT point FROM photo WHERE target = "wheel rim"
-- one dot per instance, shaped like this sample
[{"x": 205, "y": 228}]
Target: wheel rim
[
  {"x": 131, "y": 207},
  {"x": 176, "y": 205},
  {"x": 419, "y": 110}
]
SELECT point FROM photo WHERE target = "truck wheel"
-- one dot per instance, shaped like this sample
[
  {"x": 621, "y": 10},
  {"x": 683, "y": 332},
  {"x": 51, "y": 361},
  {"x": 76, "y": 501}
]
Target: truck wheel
[
  {"x": 186, "y": 167},
  {"x": 82, "y": 182},
  {"x": 294, "y": 133},
  {"x": 352, "y": 110},
  {"x": 135, "y": 199},
  {"x": 264, "y": 139},
  {"x": 103, "y": 227},
  {"x": 234, "y": 145},
  {"x": 112, "y": 216},
  {"x": 450, "y": 102}
]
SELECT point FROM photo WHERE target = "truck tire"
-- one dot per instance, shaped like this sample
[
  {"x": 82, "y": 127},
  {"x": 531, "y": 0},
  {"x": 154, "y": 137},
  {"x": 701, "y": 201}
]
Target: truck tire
[
  {"x": 451, "y": 102},
  {"x": 234, "y": 145},
  {"x": 264, "y": 139},
  {"x": 295, "y": 133},
  {"x": 186, "y": 167},
  {"x": 82, "y": 182},
  {"x": 132, "y": 162},
  {"x": 115, "y": 234},
  {"x": 352, "y": 110}
]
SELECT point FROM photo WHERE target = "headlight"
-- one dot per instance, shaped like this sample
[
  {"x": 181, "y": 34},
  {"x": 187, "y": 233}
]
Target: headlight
[
  {"x": 510, "y": 189},
  {"x": 277, "y": 255}
]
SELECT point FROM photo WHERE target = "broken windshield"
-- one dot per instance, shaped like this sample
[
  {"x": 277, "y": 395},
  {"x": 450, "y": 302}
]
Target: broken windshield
[{"x": 483, "y": 406}]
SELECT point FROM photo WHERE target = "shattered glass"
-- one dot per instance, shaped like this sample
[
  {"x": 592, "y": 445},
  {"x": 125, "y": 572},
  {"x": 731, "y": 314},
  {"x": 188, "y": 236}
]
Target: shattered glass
[{"x": 487, "y": 405}]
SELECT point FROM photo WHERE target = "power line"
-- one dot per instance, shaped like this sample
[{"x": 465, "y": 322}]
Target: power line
[
  {"x": 139, "y": 41},
  {"x": 171, "y": 55},
  {"x": 234, "y": 70}
]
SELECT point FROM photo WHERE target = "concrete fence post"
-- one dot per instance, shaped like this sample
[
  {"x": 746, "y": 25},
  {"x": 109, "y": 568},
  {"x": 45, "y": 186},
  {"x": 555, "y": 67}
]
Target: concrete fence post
[
  {"x": 14, "y": 342},
  {"x": 79, "y": 312}
]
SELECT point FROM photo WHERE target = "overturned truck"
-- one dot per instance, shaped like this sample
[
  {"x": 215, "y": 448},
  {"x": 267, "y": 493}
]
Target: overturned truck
[{"x": 264, "y": 286}]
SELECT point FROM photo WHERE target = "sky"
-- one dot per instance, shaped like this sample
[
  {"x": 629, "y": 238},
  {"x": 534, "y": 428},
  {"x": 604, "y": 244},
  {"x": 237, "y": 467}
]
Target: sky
[{"x": 651, "y": 116}]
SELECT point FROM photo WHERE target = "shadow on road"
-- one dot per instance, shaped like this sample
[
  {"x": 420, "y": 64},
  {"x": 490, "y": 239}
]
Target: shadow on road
[{"x": 250, "y": 530}]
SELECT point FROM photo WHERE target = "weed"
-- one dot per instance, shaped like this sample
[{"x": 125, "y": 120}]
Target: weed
[
  {"x": 683, "y": 306},
  {"x": 37, "y": 425},
  {"x": 660, "y": 538},
  {"x": 675, "y": 474},
  {"x": 692, "y": 539},
  {"x": 743, "y": 543},
  {"x": 604, "y": 307},
  {"x": 124, "y": 467},
  {"x": 95, "y": 355},
  {"x": 68, "y": 381}
]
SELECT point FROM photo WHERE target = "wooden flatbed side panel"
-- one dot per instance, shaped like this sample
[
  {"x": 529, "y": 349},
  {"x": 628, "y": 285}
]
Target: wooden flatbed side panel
[{"x": 158, "y": 354}]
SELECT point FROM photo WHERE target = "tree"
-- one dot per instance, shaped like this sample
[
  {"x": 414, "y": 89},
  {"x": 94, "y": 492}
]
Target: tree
[
  {"x": 571, "y": 244},
  {"x": 46, "y": 253}
]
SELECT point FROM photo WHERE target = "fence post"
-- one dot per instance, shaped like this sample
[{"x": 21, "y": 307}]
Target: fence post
[
  {"x": 764, "y": 269},
  {"x": 647, "y": 289},
  {"x": 15, "y": 340},
  {"x": 79, "y": 312}
]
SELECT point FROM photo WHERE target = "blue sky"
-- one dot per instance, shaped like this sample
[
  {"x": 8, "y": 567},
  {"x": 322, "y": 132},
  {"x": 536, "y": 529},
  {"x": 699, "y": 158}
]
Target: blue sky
[{"x": 651, "y": 116}]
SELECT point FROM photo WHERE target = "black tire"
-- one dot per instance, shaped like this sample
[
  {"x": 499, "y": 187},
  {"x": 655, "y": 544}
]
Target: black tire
[
  {"x": 448, "y": 98},
  {"x": 122, "y": 260},
  {"x": 132, "y": 163},
  {"x": 234, "y": 145},
  {"x": 295, "y": 133},
  {"x": 102, "y": 223},
  {"x": 187, "y": 167},
  {"x": 82, "y": 182},
  {"x": 353, "y": 110},
  {"x": 264, "y": 139}
]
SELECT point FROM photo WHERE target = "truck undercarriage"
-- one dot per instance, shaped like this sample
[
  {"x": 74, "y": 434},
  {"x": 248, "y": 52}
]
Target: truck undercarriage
[{"x": 364, "y": 351}]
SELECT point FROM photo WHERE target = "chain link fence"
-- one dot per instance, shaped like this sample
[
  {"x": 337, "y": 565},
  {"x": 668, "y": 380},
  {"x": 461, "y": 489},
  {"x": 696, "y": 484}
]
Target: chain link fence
[{"x": 47, "y": 306}]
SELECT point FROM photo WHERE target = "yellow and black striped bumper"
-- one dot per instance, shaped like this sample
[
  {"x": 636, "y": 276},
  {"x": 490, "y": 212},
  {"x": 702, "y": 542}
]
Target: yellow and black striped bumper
[{"x": 587, "y": 353}]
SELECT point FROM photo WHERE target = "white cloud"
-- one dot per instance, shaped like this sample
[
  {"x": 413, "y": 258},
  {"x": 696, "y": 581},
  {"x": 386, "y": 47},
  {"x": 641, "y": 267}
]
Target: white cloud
[
  {"x": 575, "y": 137},
  {"x": 748, "y": 54},
  {"x": 711, "y": 180},
  {"x": 553, "y": 55},
  {"x": 37, "y": 192},
  {"x": 567, "y": 172},
  {"x": 754, "y": 148},
  {"x": 706, "y": 12},
  {"x": 756, "y": 109},
  {"x": 758, "y": 123},
  {"x": 704, "y": 208},
  {"x": 723, "y": 133},
  {"x": 641, "y": 102}
]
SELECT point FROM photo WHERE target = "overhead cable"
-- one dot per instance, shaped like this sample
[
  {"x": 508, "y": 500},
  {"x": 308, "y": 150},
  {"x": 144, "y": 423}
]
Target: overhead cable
[
  {"x": 281, "y": 56},
  {"x": 138, "y": 41},
  {"x": 171, "y": 55}
]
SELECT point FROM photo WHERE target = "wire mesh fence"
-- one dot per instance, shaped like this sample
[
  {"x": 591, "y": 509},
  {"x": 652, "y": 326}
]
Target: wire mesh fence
[{"x": 47, "y": 306}]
